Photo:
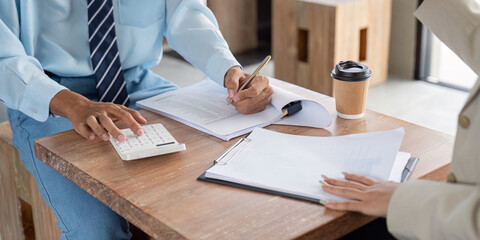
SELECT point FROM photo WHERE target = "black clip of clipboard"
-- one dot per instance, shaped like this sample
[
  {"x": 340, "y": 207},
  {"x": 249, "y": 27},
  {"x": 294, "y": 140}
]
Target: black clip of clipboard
[{"x": 292, "y": 108}]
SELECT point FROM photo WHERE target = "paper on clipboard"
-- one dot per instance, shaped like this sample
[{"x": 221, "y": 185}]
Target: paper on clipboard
[{"x": 293, "y": 164}]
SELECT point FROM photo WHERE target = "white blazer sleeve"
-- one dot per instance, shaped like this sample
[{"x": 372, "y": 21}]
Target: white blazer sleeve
[
  {"x": 457, "y": 24},
  {"x": 431, "y": 210},
  {"x": 422, "y": 209}
]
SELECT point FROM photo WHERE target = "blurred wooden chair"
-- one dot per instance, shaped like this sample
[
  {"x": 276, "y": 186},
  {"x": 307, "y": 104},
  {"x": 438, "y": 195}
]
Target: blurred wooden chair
[
  {"x": 311, "y": 36},
  {"x": 23, "y": 213}
]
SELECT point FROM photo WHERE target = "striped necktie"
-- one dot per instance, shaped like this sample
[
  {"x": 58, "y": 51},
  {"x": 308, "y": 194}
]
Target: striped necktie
[{"x": 104, "y": 53}]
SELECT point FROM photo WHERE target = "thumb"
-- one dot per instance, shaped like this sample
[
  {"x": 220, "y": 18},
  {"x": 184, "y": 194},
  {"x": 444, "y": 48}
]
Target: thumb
[{"x": 232, "y": 86}]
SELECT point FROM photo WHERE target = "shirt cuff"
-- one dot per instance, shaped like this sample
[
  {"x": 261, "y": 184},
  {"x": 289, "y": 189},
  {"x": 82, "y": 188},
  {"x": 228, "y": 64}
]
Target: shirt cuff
[
  {"x": 37, "y": 97},
  {"x": 218, "y": 65}
]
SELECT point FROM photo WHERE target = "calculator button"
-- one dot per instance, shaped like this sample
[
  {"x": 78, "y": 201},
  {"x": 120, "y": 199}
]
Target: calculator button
[{"x": 155, "y": 140}]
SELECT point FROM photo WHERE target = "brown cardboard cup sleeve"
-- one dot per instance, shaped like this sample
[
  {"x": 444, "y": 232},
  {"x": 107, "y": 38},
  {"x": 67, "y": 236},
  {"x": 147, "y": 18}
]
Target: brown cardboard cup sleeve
[{"x": 350, "y": 88}]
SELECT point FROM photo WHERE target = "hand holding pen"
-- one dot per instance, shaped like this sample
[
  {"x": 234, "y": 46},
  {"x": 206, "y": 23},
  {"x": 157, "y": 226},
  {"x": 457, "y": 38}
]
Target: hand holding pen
[{"x": 248, "y": 93}]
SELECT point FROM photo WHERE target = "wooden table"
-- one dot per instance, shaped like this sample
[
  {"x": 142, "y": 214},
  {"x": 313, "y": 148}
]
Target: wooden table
[{"x": 161, "y": 195}]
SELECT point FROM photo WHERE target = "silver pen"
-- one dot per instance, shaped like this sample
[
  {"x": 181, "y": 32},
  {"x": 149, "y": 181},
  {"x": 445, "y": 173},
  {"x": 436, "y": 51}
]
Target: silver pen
[{"x": 254, "y": 74}]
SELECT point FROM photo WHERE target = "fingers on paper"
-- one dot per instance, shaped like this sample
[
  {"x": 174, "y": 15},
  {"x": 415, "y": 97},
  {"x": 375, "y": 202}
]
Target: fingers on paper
[
  {"x": 345, "y": 183},
  {"x": 345, "y": 206},
  {"x": 345, "y": 192},
  {"x": 359, "y": 178}
]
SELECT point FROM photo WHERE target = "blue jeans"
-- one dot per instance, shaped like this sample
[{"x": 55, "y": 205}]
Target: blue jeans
[{"x": 79, "y": 215}]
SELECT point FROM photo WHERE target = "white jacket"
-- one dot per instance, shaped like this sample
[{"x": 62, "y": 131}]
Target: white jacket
[{"x": 422, "y": 209}]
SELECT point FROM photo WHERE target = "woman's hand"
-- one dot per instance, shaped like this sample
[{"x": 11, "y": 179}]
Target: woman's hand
[
  {"x": 91, "y": 119},
  {"x": 367, "y": 195}
]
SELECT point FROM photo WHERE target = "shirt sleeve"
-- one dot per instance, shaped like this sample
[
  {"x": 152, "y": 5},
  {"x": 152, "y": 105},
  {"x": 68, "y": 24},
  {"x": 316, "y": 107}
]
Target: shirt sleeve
[
  {"x": 24, "y": 85},
  {"x": 192, "y": 31},
  {"x": 457, "y": 24},
  {"x": 422, "y": 209}
]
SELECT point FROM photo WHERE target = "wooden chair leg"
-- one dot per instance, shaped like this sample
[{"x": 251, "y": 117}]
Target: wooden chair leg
[
  {"x": 44, "y": 220},
  {"x": 10, "y": 207},
  {"x": 23, "y": 213}
]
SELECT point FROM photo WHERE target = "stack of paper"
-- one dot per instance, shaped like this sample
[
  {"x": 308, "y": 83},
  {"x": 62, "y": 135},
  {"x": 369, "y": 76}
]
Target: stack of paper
[
  {"x": 203, "y": 106},
  {"x": 293, "y": 165}
]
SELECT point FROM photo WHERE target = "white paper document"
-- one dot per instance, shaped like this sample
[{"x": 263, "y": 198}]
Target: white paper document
[
  {"x": 398, "y": 166},
  {"x": 294, "y": 164},
  {"x": 203, "y": 106}
]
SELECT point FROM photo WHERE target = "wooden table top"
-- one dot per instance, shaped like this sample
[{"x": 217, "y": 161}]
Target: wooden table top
[{"x": 162, "y": 196}]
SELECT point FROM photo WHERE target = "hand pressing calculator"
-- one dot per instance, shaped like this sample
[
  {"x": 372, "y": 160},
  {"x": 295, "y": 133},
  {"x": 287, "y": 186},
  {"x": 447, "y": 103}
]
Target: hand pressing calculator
[{"x": 155, "y": 140}]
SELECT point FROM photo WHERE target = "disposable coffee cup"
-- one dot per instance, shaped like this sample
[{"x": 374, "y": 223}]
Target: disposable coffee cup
[{"x": 350, "y": 88}]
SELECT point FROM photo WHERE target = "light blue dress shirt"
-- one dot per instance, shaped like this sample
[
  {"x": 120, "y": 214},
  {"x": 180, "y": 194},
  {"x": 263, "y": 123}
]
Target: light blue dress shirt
[{"x": 52, "y": 35}]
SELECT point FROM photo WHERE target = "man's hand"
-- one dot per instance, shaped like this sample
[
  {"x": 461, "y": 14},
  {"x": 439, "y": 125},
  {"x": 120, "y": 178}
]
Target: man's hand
[
  {"x": 368, "y": 196},
  {"x": 92, "y": 119},
  {"x": 254, "y": 97}
]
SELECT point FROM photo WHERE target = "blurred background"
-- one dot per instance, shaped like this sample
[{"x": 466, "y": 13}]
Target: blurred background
[{"x": 417, "y": 78}]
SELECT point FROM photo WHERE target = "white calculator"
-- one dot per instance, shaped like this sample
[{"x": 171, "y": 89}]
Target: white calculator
[{"x": 155, "y": 140}]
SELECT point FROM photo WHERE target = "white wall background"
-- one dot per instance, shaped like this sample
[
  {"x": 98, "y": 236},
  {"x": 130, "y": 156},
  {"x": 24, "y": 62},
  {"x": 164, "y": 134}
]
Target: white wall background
[{"x": 403, "y": 39}]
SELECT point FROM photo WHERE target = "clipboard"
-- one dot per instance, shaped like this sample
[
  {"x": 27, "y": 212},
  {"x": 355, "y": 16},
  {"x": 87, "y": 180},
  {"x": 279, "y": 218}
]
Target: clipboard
[{"x": 406, "y": 173}]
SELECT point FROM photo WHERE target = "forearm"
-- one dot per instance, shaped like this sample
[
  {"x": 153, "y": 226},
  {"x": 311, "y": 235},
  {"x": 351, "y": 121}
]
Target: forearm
[
  {"x": 431, "y": 210},
  {"x": 457, "y": 24},
  {"x": 65, "y": 103}
]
